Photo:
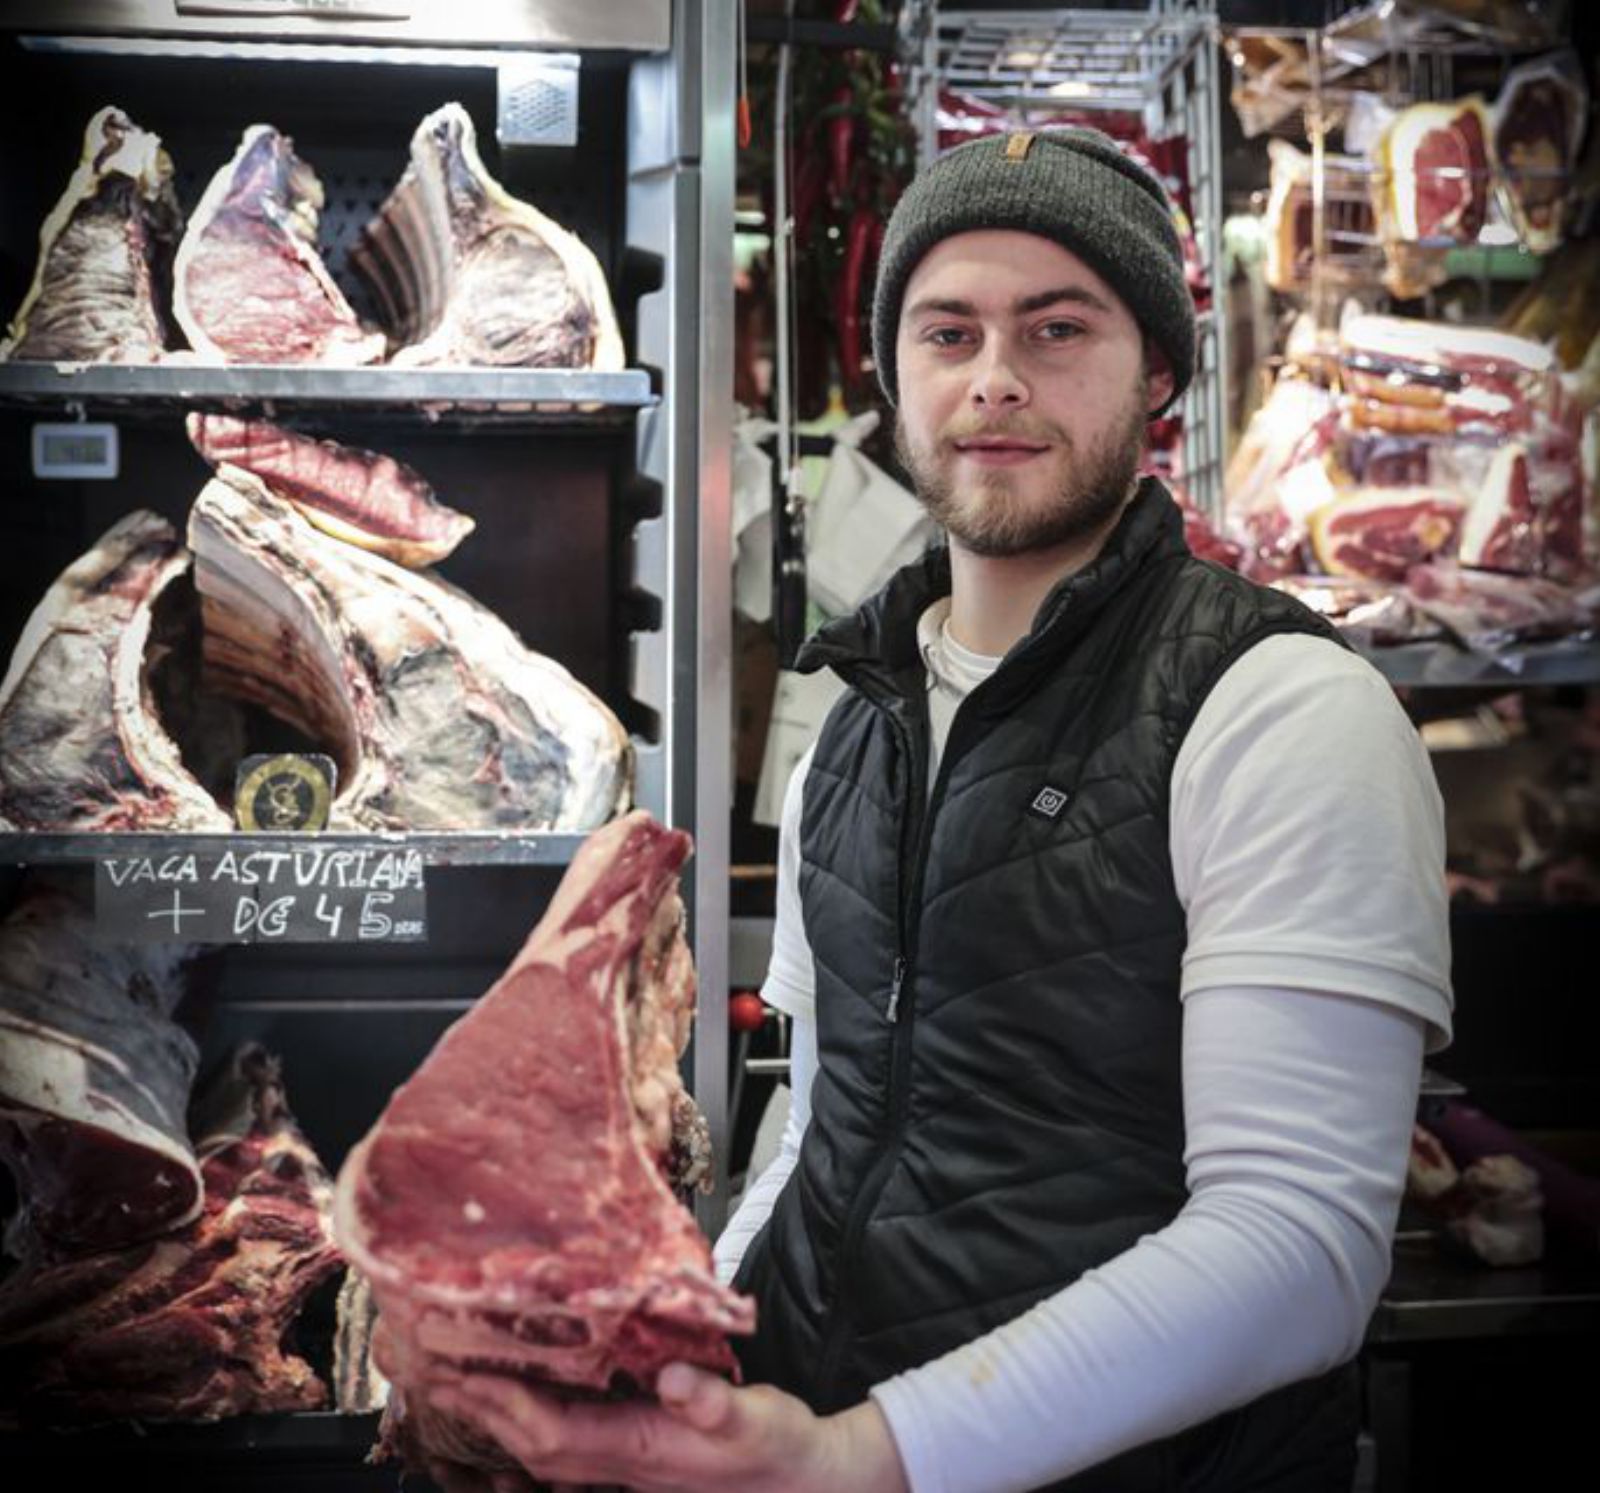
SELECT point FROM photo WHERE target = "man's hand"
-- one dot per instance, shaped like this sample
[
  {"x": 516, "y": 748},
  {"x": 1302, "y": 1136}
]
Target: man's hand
[{"x": 705, "y": 1436}]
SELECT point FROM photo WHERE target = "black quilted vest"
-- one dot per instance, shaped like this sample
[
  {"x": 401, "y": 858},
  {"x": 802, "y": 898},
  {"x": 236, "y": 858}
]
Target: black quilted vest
[{"x": 998, "y": 1107}]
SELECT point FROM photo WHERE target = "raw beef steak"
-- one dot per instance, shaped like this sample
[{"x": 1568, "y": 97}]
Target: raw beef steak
[
  {"x": 94, "y": 1081},
  {"x": 189, "y": 1326},
  {"x": 467, "y": 274},
  {"x": 81, "y": 747},
  {"x": 513, "y": 1207},
  {"x": 437, "y": 715},
  {"x": 361, "y": 497},
  {"x": 249, "y": 285},
  {"x": 99, "y": 291}
]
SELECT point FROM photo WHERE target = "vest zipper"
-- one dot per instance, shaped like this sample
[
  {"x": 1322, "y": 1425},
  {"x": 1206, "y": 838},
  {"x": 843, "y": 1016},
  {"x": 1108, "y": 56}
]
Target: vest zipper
[{"x": 895, "y": 988}]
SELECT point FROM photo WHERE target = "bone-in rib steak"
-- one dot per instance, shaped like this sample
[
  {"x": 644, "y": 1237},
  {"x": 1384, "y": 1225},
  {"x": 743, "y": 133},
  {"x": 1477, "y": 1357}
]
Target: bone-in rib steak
[
  {"x": 513, "y": 1206},
  {"x": 81, "y": 747},
  {"x": 99, "y": 291},
  {"x": 438, "y": 716},
  {"x": 249, "y": 285},
  {"x": 468, "y": 274}
]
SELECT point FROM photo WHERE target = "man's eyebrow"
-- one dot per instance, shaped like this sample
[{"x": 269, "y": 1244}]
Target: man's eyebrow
[{"x": 1078, "y": 295}]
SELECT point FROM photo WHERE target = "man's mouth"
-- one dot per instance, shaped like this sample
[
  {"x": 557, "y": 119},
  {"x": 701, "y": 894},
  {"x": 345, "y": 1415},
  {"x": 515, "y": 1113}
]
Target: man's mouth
[{"x": 998, "y": 450}]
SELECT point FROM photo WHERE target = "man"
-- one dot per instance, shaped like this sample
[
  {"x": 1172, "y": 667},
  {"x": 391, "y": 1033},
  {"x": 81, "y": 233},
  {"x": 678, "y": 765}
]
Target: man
[{"x": 1112, "y": 923}]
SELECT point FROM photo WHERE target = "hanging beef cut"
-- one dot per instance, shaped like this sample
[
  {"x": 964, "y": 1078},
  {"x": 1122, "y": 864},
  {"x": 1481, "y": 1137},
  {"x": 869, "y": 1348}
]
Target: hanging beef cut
[
  {"x": 249, "y": 285},
  {"x": 99, "y": 291},
  {"x": 1433, "y": 172},
  {"x": 192, "y": 1325},
  {"x": 94, "y": 1081},
  {"x": 468, "y": 274},
  {"x": 513, "y": 1207},
  {"x": 362, "y": 497},
  {"x": 1538, "y": 129},
  {"x": 436, "y": 714},
  {"x": 81, "y": 746}
]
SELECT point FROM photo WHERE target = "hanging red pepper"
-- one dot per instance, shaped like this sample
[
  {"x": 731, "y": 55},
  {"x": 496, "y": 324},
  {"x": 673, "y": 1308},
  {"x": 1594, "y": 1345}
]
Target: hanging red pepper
[
  {"x": 858, "y": 245},
  {"x": 844, "y": 11},
  {"x": 841, "y": 132},
  {"x": 806, "y": 183}
]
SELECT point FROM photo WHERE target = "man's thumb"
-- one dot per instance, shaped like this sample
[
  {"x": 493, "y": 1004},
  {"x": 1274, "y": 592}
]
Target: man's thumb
[{"x": 695, "y": 1397}]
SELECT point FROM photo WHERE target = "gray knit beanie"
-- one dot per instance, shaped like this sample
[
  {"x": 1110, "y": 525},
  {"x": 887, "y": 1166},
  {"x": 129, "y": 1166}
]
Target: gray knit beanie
[{"x": 1071, "y": 185}]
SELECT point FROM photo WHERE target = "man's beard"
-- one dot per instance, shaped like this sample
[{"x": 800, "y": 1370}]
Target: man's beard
[{"x": 996, "y": 521}]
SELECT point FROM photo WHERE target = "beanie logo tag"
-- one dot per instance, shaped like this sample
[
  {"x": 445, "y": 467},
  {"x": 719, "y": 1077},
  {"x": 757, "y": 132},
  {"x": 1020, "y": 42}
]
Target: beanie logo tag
[{"x": 1017, "y": 145}]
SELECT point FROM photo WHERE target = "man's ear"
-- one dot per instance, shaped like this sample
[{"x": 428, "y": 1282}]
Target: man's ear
[{"x": 1158, "y": 376}]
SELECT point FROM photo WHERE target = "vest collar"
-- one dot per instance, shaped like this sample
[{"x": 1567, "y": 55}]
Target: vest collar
[{"x": 876, "y": 650}]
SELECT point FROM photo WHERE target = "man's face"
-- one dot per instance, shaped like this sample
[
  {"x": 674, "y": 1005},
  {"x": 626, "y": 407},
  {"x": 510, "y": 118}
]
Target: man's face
[{"x": 1023, "y": 392}]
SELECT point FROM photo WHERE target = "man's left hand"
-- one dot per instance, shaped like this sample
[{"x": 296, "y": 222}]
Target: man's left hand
[{"x": 704, "y": 1436}]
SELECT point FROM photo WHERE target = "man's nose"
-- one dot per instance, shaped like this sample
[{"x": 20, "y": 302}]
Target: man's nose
[{"x": 996, "y": 383}]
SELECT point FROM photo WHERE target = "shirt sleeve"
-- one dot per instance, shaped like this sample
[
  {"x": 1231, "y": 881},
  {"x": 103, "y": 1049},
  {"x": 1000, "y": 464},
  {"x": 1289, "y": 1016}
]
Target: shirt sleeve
[
  {"x": 791, "y": 982},
  {"x": 756, "y": 1205},
  {"x": 1307, "y": 835},
  {"x": 1298, "y": 1108}
]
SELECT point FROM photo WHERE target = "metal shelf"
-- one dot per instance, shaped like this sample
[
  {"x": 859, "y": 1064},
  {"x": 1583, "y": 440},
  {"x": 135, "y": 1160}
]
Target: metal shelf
[
  {"x": 530, "y": 394},
  {"x": 323, "y": 1436},
  {"x": 437, "y": 847},
  {"x": 1446, "y": 666}
]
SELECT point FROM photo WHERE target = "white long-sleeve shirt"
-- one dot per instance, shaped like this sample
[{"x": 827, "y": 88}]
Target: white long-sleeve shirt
[{"x": 1307, "y": 846}]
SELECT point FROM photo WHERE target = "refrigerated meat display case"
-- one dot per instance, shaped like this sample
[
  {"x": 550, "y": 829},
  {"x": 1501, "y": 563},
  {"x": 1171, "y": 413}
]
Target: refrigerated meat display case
[{"x": 601, "y": 498}]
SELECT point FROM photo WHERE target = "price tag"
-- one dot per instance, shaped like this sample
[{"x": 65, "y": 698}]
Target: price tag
[
  {"x": 77, "y": 450},
  {"x": 321, "y": 894}
]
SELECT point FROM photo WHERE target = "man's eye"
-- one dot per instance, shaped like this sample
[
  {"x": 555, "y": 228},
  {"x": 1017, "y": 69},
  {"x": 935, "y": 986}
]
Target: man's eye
[
  {"x": 1059, "y": 331},
  {"x": 946, "y": 336}
]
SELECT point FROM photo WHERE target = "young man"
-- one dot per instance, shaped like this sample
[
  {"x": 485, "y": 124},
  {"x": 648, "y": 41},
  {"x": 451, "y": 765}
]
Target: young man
[{"x": 1113, "y": 927}]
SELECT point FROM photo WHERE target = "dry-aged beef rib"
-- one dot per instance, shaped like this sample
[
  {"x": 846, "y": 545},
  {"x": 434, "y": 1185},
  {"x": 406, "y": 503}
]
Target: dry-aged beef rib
[
  {"x": 359, "y": 496},
  {"x": 81, "y": 747},
  {"x": 249, "y": 285},
  {"x": 513, "y": 1206},
  {"x": 99, "y": 291},
  {"x": 190, "y": 1326},
  {"x": 94, "y": 1081},
  {"x": 436, "y": 714},
  {"x": 467, "y": 274}
]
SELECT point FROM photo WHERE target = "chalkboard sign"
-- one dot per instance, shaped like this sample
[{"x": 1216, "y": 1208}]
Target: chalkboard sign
[{"x": 319, "y": 894}]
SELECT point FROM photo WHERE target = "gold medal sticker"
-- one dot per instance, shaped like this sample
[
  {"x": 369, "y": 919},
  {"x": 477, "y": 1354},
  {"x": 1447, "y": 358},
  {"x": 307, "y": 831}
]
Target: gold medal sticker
[{"x": 283, "y": 793}]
